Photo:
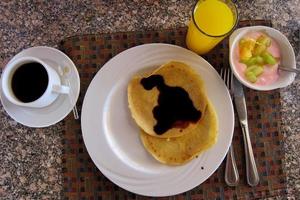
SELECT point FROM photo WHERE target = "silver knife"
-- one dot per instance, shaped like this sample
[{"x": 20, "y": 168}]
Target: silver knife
[{"x": 240, "y": 104}]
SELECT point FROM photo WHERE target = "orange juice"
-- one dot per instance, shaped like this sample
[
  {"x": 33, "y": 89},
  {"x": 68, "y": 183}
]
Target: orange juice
[{"x": 212, "y": 20}]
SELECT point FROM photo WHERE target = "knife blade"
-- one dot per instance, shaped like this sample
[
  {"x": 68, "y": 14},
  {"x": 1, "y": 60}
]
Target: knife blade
[{"x": 241, "y": 108}]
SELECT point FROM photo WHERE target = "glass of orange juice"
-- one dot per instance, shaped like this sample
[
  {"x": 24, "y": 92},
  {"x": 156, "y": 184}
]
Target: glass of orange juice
[{"x": 211, "y": 21}]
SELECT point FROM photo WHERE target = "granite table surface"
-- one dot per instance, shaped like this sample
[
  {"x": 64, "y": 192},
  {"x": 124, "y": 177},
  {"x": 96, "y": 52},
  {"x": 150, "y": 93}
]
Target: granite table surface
[{"x": 30, "y": 159}]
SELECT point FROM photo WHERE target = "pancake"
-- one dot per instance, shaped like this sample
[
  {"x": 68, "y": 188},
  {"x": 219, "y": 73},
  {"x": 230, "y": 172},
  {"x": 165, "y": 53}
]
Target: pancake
[
  {"x": 179, "y": 150},
  {"x": 143, "y": 103}
]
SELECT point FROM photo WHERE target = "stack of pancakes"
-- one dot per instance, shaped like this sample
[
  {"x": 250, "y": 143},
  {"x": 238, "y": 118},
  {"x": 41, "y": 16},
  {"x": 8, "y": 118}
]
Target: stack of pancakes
[{"x": 183, "y": 138}]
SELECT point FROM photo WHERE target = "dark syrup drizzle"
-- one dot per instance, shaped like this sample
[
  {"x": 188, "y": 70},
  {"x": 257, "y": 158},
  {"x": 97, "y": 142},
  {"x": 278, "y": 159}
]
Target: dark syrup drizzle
[{"x": 174, "y": 109}]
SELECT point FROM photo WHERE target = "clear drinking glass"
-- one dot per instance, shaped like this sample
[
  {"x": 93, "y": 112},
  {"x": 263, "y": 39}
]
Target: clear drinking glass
[{"x": 212, "y": 21}]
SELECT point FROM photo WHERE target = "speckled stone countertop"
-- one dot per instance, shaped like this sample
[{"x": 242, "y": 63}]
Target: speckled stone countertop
[{"x": 30, "y": 166}]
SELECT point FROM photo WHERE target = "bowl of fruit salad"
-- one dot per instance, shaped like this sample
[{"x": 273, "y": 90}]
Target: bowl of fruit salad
[{"x": 256, "y": 52}]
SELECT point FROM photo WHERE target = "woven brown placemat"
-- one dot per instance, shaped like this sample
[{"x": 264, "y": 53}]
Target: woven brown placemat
[{"x": 82, "y": 179}]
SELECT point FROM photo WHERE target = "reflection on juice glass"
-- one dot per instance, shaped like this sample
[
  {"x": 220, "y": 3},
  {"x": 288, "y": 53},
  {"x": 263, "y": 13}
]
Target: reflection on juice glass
[{"x": 212, "y": 20}]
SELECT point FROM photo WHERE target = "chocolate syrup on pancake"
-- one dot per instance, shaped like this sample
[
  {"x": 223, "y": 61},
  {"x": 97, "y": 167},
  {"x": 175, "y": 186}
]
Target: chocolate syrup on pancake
[{"x": 174, "y": 109}]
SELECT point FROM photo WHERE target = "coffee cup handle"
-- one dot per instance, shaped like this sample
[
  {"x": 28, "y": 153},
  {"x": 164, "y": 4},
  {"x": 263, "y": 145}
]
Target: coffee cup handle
[{"x": 62, "y": 89}]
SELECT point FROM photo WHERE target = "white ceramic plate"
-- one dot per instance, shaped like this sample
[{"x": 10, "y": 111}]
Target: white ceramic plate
[
  {"x": 112, "y": 137},
  {"x": 61, "y": 107}
]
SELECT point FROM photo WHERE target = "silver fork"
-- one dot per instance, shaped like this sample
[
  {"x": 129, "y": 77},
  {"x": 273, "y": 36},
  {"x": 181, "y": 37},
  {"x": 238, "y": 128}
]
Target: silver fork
[{"x": 231, "y": 171}]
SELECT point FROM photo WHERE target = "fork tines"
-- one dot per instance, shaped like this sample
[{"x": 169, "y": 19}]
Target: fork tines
[{"x": 227, "y": 76}]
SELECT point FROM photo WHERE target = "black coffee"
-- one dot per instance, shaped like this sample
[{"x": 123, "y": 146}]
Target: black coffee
[{"x": 29, "y": 82}]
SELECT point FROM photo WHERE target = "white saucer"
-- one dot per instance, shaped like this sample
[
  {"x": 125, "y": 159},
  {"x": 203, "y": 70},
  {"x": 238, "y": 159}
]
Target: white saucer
[{"x": 61, "y": 107}]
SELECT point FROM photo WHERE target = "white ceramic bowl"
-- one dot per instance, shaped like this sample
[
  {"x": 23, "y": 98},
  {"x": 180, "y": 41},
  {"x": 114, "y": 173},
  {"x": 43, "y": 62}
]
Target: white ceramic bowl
[{"x": 286, "y": 50}]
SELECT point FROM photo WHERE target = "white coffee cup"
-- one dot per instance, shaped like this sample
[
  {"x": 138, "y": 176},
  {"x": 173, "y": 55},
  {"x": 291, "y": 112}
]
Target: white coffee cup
[{"x": 53, "y": 89}]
